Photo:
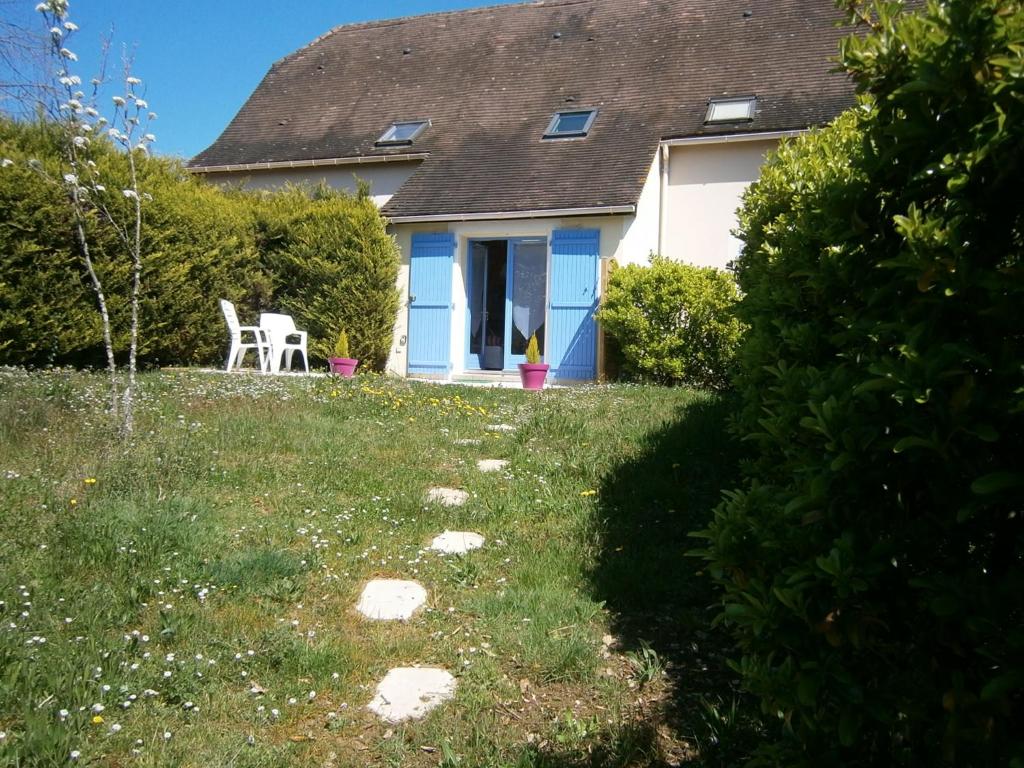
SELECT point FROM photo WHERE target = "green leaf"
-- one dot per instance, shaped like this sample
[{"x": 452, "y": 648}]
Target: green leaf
[
  {"x": 986, "y": 432},
  {"x": 807, "y": 690},
  {"x": 995, "y": 482},
  {"x": 944, "y": 606},
  {"x": 999, "y": 687},
  {"x": 849, "y": 724},
  {"x": 914, "y": 442}
]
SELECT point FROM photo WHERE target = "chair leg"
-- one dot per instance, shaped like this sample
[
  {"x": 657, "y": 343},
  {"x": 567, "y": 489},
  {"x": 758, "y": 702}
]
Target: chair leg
[
  {"x": 231, "y": 356},
  {"x": 305, "y": 360},
  {"x": 288, "y": 359}
]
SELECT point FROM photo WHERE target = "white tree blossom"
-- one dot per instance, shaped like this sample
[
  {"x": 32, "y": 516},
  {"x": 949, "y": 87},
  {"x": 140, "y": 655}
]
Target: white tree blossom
[{"x": 124, "y": 128}]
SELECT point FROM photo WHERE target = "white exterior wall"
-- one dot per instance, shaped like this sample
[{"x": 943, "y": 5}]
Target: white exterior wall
[
  {"x": 640, "y": 232},
  {"x": 704, "y": 186},
  {"x": 612, "y": 229},
  {"x": 384, "y": 178}
]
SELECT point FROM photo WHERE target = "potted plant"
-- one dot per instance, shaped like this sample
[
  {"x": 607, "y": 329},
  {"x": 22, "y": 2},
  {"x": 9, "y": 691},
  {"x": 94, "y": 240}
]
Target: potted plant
[
  {"x": 341, "y": 362},
  {"x": 533, "y": 371}
]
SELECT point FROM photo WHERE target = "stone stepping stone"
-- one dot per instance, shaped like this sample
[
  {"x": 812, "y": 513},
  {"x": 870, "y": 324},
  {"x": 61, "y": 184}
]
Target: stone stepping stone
[
  {"x": 457, "y": 542},
  {"x": 500, "y": 428},
  {"x": 391, "y": 599},
  {"x": 468, "y": 441},
  {"x": 408, "y": 693},
  {"x": 491, "y": 465},
  {"x": 449, "y": 497}
]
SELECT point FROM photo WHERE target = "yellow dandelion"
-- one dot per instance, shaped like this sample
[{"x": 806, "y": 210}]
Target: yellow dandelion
[
  {"x": 73, "y": 502},
  {"x": 589, "y": 493},
  {"x": 97, "y": 719},
  {"x": 90, "y": 481}
]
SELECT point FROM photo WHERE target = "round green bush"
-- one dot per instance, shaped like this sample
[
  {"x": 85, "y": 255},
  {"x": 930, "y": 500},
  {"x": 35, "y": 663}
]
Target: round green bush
[{"x": 673, "y": 322}]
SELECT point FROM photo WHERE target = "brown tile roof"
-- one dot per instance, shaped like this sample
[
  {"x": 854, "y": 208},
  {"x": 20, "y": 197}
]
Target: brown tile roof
[{"x": 489, "y": 80}]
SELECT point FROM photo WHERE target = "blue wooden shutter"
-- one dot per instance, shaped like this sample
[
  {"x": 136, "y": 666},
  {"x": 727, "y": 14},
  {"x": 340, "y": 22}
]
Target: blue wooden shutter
[
  {"x": 430, "y": 302},
  {"x": 572, "y": 341}
]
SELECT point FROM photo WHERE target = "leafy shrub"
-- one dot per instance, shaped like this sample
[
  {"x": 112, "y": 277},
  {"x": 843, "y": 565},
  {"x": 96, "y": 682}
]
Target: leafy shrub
[
  {"x": 871, "y": 566},
  {"x": 196, "y": 240},
  {"x": 325, "y": 258},
  {"x": 333, "y": 266},
  {"x": 673, "y": 322}
]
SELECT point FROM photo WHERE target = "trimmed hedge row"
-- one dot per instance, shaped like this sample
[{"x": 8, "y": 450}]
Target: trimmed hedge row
[
  {"x": 323, "y": 257},
  {"x": 872, "y": 566}
]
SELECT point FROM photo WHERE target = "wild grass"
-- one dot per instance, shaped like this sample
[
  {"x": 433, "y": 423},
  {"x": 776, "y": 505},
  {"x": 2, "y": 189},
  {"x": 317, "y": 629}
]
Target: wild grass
[{"x": 187, "y": 599}]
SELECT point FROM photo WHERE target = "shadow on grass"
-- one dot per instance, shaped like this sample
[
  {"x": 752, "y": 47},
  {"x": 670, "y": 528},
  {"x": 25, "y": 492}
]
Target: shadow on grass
[{"x": 661, "y": 602}]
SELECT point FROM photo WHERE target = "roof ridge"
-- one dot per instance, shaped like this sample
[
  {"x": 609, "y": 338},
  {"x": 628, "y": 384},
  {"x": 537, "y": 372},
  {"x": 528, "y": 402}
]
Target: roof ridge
[{"x": 398, "y": 20}]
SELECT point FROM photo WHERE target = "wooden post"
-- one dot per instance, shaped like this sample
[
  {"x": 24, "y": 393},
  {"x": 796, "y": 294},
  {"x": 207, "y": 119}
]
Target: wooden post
[{"x": 602, "y": 373}]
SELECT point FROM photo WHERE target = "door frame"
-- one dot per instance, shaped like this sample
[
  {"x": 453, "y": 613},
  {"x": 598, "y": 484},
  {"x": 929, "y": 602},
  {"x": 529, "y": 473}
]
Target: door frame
[{"x": 509, "y": 361}]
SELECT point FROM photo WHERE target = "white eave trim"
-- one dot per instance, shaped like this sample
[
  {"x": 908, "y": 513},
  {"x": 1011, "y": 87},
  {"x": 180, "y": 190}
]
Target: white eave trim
[
  {"x": 726, "y": 138},
  {"x": 549, "y": 213},
  {"x": 273, "y": 166}
]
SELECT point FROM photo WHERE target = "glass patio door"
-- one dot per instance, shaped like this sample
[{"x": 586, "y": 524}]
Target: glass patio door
[
  {"x": 527, "y": 298},
  {"x": 487, "y": 294}
]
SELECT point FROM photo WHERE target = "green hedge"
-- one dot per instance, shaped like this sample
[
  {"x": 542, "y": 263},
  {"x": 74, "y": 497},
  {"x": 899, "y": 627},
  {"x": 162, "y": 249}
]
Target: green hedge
[
  {"x": 673, "y": 322},
  {"x": 324, "y": 257},
  {"x": 872, "y": 566},
  {"x": 334, "y": 268}
]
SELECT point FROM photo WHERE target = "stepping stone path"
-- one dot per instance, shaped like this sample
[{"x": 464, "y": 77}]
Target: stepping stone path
[
  {"x": 410, "y": 692},
  {"x": 457, "y": 542},
  {"x": 449, "y": 497},
  {"x": 491, "y": 465},
  {"x": 391, "y": 599}
]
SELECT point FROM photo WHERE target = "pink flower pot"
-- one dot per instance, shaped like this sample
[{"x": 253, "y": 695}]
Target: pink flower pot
[
  {"x": 346, "y": 366},
  {"x": 533, "y": 374}
]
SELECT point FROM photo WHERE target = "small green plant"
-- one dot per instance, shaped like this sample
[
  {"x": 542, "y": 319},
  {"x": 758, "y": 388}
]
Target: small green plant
[
  {"x": 464, "y": 571},
  {"x": 341, "y": 345},
  {"x": 533, "y": 351},
  {"x": 573, "y": 730},
  {"x": 645, "y": 663},
  {"x": 448, "y": 757}
]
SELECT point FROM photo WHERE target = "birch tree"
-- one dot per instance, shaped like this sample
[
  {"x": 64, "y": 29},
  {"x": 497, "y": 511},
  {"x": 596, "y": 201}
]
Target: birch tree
[{"x": 89, "y": 194}]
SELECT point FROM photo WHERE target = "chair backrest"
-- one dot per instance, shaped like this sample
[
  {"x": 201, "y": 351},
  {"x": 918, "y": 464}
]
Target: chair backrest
[
  {"x": 231, "y": 317},
  {"x": 277, "y": 323}
]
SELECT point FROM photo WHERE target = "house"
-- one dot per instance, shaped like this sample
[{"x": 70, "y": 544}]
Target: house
[{"x": 517, "y": 149}]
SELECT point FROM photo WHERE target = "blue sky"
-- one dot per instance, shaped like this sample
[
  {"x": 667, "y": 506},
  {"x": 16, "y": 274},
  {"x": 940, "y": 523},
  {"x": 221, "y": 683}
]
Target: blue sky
[{"x": 200, "y": 59}]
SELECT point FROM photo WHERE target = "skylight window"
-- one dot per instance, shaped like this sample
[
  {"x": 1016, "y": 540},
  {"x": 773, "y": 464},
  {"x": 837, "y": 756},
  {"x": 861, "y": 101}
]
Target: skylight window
[
  {"x": 575, "y": 123},
  {"x": 403, "y": 132},
  {"x": 737, "y": 110}
]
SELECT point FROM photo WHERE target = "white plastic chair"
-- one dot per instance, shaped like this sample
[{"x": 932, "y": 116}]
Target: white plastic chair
[
  {"x": 280, "y": 328},
  {"x": 261, "y": 338}
]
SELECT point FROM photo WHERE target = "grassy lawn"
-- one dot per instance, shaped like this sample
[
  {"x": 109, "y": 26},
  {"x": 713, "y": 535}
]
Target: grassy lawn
[{"x": 189, "y": 599}]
